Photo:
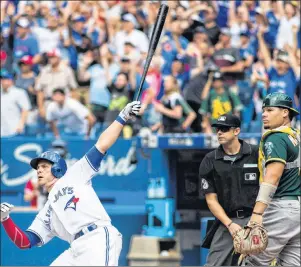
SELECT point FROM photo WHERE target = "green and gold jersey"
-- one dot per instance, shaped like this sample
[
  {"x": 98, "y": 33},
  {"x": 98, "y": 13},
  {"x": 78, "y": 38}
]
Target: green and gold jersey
[
  {"x": 282, "y": 145},
  {"x": 218, "y": 104}
]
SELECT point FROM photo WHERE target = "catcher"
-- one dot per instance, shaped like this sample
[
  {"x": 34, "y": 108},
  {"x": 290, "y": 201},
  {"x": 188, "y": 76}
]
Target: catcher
[{"x": 277, "y": 205}]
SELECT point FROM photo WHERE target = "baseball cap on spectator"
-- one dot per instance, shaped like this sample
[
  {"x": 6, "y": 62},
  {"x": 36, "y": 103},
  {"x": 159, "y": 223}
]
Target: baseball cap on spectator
[
  {"x": 125, "y": 59},
  {"x": 129, "y": 43},
  {"x": 59, "y": 90},
  {"x": 283, "y": 56},
  {"x": 4, "y": 74},
  {"x": 180, "y": 58},
  {"x": 259, "y": 10},
  {"x": 226, "y": 31},
  {"x": 227, "y": 120},
  {"x": 200, "y": 29},
  {"x": 23, "y": 22},
  {"x": 130, "y": 18},
  {"x": 79, "y": 19},
  {"x": 27, "y": 60},
  {"x": 54, "y": 53}
]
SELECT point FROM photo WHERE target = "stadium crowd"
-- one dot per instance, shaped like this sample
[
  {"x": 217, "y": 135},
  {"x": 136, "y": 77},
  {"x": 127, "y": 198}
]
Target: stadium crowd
[{"x": 69, "y": 67}]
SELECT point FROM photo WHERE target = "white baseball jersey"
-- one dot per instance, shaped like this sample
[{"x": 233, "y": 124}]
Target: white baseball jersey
[
  {"x": 13, "y": 102},
  {"x": 72, "y": 202},
  {"x": 72, "y": 115}
]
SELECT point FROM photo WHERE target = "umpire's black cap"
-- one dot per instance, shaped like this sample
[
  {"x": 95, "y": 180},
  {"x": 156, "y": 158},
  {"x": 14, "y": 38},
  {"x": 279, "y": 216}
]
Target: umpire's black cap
[{"x": 227, "y": 120}]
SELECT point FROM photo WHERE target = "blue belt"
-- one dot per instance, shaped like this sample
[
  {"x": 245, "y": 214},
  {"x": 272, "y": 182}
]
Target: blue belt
[{"x": 89, "y": 228}]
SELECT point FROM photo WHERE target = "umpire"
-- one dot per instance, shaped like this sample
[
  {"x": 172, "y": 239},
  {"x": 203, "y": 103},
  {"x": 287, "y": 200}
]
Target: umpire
[{"x": 229, "y": 178}]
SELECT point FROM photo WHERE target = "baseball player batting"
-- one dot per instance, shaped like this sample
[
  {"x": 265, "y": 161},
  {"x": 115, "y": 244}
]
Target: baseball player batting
[{"x": 73, "y": 211}]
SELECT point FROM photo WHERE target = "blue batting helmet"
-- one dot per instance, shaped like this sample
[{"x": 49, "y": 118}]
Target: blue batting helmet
[{"x": 59, "y": 166}]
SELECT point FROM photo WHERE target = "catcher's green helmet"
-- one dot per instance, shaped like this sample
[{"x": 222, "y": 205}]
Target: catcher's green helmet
[{"x": 279, "y": 100}]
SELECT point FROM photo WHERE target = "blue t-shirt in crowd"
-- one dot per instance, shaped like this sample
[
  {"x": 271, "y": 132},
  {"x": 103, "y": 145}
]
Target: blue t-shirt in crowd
[
  {"x": 272, "y": 28},
  {"x": 286, "y": 83},
  {"x": 22, "y": 47},
  {"x": 245, "y": 53},
  {"x": 170, "y": 52},
  {"x": 222, "y": 16},
  {"x": 99, "y": 94},
  {"x": 183, "y": 78},
  {"x": 77, "y": 37}
]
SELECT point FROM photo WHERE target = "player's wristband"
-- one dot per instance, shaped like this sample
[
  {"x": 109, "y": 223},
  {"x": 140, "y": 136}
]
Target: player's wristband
[
  {"x": 266, "y": 193},
  {"x": 120, "y": 120}
]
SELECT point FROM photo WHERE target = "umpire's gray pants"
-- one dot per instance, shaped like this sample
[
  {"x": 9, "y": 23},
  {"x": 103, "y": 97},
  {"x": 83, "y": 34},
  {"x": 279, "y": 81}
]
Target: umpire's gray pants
[
  {"x": 282, "y": 221},
  {"x": 221, "y": 248}
]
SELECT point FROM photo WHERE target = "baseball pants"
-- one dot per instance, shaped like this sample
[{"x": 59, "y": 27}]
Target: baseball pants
[
  {"x": 282, "y": 221},
  {"x": 100, "y": 247},
  {"x": 221, "y": 248}
]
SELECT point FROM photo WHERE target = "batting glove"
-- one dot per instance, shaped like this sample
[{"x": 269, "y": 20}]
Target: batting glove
[
  {"x": 132, "y": 109},
  {"x": 5, "y": 210}
]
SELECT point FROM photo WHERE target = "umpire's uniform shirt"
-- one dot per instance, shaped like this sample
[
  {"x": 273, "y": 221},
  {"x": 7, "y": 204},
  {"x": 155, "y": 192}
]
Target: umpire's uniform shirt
[{"x": 235, "y": 180}]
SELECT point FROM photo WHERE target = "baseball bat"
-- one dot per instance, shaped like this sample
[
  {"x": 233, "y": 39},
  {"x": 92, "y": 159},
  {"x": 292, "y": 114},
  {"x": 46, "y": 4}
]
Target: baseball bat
[{"x": 155, "y": 37}]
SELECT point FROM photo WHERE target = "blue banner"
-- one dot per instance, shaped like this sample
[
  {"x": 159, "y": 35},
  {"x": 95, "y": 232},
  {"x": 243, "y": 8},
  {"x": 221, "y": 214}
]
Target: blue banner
[{"x": 116, "y": 172}]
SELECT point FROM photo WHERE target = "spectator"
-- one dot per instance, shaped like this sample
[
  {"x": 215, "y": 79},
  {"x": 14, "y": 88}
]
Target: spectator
[
  {"x": 44, "y": 12},
  {"x": 217, "y": 101},
  {"x": 130, "y": 68},
  {"x": 26, "y": 79},
  {"x": 113, "y": 10},
  {"x": 247, "y": 51},
  {"x": 119, "y": 96},
  {"x": 281, "y": 77},
  {"x": 172, "y": 45},
  {"x": 99, "y": 95},
  {"x": 170, "y": 108},
  {"x": 273, "y": 16},
  {"x": 210, "y": 25},
  {"x": 54, "y": 75},
  {"x": 131, "y": 52},
  {"x": 30, "y": 10},
  {"x": 227, "y": 59},
  {"x": 190, "y": 116},
  {"x": 222, "y": 8},
  {"x": 194, "y": 50},
  {"x": 6, "y": 52},
  {"x": 25, "y": 43},
  {"x": 180, "y": 70},
  {"x": 193, "y": 90},
  {"x": 238, "y": 21},
  {"x": 31, "y": 192},
  {"x": 288, "y": 20},
  {"x": 15, "y": 105},
  {"x": 130, "y": 34},
  {"x": 48, "y": 37},
  {"x": 68, "y": 115}
]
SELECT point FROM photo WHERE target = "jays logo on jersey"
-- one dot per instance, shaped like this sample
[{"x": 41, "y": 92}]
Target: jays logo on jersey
[{"x": 71, "y": 204}]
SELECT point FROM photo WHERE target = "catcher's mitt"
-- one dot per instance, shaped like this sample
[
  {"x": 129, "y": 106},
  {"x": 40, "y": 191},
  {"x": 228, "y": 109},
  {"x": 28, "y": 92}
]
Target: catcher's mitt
[{"x": 252, "y": 239}]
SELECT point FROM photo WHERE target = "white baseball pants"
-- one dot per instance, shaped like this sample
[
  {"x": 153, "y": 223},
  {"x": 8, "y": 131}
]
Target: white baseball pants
[{"x": 100, "y": 247}]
